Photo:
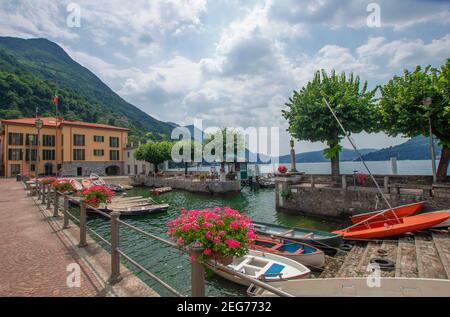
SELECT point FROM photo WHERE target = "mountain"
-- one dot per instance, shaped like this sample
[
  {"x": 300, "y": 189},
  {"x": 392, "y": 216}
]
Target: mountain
[
  {"x": 317, "y": 156},
  {"x": 417, "y": 148},
  {"x": 32, "y": 70}
]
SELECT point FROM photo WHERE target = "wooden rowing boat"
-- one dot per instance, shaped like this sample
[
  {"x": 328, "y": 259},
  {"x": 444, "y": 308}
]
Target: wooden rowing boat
[
  {"x": 320, "y": 239},
  {"x": 160, "y": 190},
  {"x": 267, "y": 267},
  {"x": 400, "y": 212},
  {"x": 393, "y": 227},
  {"x": 303, "y": 253},
  {"x": 353, "y": 287}
]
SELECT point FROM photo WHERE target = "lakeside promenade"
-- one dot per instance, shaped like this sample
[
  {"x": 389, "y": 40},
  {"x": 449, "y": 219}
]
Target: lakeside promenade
[
  {"x": 34, "y": 257},
  {"x": 35, "y": 253}
]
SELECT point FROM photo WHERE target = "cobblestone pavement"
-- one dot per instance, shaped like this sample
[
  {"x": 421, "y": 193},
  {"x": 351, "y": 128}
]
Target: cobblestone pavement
[{"x": 34, "y": 258}]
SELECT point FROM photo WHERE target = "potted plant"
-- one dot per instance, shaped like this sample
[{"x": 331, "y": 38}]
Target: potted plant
[
  {"x": 282, "y": 169},
  {"x": 63, "y": 186},
  {"x": 48, "y": 180},
  {"x": 96, "y": 195},
  {"x": 222, "y": 233}
]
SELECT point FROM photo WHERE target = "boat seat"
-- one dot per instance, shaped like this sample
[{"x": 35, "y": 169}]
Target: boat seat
[
  {"x": 274, "y": 269},
  {"x": 308, "y": 235},
  {"x": 287, "y": 232}
]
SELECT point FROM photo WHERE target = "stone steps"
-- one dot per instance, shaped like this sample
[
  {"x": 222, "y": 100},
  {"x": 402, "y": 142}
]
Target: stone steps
[{"x": 429, "y": 264}]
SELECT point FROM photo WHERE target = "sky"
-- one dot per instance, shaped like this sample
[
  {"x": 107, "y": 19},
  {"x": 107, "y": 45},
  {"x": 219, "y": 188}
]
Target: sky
[{"x": 235, "y": 63}]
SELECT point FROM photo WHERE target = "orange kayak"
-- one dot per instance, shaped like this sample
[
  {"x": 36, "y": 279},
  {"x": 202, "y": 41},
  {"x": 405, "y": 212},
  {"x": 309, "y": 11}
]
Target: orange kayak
[
  {"x": 400, "y": 211},
  {"x": 391, "y": 227}
]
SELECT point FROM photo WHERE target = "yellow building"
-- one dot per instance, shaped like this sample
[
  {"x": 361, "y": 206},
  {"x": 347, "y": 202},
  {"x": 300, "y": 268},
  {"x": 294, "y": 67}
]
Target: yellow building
[{"x": 71, "y": 148}]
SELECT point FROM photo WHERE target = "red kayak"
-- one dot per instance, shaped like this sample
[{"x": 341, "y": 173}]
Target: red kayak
[
  {"x": 400, "y": 211},
  {"x": 392, "y": 227}
]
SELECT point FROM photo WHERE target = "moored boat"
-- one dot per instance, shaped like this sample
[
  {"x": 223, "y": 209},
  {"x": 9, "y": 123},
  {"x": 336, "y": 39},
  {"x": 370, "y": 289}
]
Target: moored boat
[
  {"x": 160, "y": 190},
  {"x": 443, "y": 224},
  {"x": 321, "y": 239},
  {"x": 263, "y": 266},
  {"x": 400, "y": 212},
  {"x": 352, "y": 287},
  {"x": 303, "y": 253},
  {"x": 393, "y": 227}
]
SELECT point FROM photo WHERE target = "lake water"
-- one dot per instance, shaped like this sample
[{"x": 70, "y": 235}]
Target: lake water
[
  {"x": 173, "y": 266},
  {"x": 418, "y": 167}
]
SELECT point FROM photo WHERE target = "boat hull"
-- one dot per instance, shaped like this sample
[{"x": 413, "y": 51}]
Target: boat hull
[
  {"x": 400, "y": 212},
  {"x": 300, "y": 270},
  {"x": 321, "y": 239},
  {"x": 382, "y": 229},
  {"x": 313, "y": 258},
  {"x": 445, "y": 223},
  {"x": 354, "y": 287}
]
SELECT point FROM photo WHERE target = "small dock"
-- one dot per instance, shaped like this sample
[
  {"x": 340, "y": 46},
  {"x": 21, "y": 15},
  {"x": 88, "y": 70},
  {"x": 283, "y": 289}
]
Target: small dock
[{"x": 419, "y": 255}]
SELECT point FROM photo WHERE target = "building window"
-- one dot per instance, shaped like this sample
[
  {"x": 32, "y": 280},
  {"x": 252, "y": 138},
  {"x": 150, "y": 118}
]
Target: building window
[
  {"x": 15, "y": 138},
  {"x": 33, "y": 155},
  {"x": 135, "y": 170},
  {"x": 33, "y": 140},
  {"x": 48, "y": 140},
  {"x": 79, "y": 171},
  {"x": 78, "y": 139},
  {"x": 113, "y": 155},
  {"x": 99, "y": 152},
  {"x": 48, "y": 155},
  {"x": 33, "y": 168},
  {"x": 15, "y": 154},
  {"x": 128, "y": 154},
  {"x": 128, "y": 169},
  {"x": 15, "y": 169},
  {"x": 113, "y": 142},
  {"x": 144, "y": 170},
  {"x": 99, "y": 138},
  {"x": 78, "y": 155}
]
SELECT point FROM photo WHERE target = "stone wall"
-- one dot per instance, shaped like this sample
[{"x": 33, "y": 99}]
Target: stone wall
[
  {"x": 187, "y": 184},
  {"x": 99, "y": 168},
  {"x": 334, "y": 201}
]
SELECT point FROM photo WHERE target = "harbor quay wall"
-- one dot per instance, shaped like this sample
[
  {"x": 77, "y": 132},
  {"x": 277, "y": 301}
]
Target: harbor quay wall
[
  {"x": 213, "y": 187},
  {"x": 318, "y": 195}
]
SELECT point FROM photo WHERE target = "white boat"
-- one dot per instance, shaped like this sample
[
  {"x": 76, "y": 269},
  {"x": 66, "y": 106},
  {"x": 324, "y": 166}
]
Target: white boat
[
  {"x": 266, "y": 267},
  {"x": 76, "y": 184},
  {"x": 354, "y": 287}
]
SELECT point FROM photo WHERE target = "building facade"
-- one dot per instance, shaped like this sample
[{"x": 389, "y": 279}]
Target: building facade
[
  {"x": 133, "y": 166},
  {"x": 62, "y": 147}
]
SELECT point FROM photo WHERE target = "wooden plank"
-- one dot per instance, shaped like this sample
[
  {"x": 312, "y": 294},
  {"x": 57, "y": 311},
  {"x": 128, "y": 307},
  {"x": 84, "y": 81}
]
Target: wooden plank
[
  {"x": 442, "y": 243},
  {"x": 429, "y": 264},
  {"x": 406, "y": 264}
]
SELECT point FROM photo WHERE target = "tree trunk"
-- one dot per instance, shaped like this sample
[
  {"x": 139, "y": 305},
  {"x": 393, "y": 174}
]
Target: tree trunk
[
  {"x": 185, "y": 168},
  {"x": 156, "y": 168},
  {"x": 335, "y": 172},
  {"x": 441, "y": 173}
]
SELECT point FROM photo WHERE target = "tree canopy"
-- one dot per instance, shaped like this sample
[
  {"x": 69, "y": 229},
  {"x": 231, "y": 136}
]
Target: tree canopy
[
  {"x": 154, "y": 152},
  {"x": 403, "y": 111},
  {"x": 310, "y": 119}
]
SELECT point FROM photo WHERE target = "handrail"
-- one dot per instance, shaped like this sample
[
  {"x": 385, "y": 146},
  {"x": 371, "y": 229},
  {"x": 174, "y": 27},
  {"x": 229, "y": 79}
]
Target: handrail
[{"x": 46, "y": 197}]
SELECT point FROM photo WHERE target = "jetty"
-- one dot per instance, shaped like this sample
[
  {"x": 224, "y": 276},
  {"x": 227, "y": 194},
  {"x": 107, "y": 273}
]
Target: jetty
[{"x": 419, "y": 255}]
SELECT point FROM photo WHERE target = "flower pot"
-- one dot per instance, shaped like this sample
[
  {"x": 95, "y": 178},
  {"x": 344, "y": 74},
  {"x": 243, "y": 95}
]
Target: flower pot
[{"x": 222, "y": 259}]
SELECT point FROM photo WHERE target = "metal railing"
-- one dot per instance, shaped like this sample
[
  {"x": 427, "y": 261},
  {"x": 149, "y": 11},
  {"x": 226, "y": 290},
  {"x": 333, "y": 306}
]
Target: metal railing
[{"x": 48, "y": 195}]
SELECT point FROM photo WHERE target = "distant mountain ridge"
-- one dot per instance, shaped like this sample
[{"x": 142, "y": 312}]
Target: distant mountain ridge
[
  {"x": 32, "y": 70},
  {"x": 417, "y": 148}
]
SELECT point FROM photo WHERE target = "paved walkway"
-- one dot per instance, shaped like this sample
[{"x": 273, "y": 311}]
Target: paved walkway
[{"x": 34, "y": 258}]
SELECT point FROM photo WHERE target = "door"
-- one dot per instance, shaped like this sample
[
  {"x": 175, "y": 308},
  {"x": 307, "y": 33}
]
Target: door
[
  {"x": 79, "y": 171},
  {"x": 48, "y": 169}
]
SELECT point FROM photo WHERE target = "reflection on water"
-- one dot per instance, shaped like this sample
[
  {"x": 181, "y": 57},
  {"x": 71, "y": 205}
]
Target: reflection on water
[{"x": 173, "y": 266}]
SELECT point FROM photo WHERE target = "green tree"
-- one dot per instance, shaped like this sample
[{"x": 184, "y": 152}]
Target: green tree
[
  {"x": 154, "y": 152},
  {"x": 402, "y": 109},
  {"x": 310, "y": 119}
]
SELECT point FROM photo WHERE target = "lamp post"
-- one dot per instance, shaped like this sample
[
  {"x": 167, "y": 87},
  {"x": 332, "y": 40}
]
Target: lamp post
[
  {"x": 30, "y": 142},
  {"x": 2, "y": 130},
  {"x": 293, "y": 163},
  {"x": 427, "y": 102},
  {"x": 38, "y": 124}
]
